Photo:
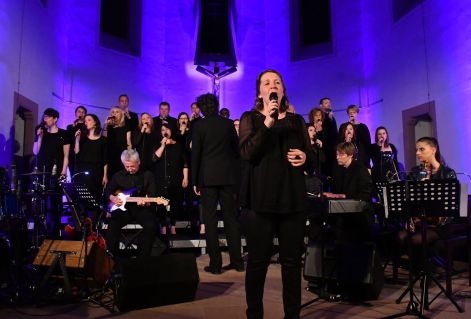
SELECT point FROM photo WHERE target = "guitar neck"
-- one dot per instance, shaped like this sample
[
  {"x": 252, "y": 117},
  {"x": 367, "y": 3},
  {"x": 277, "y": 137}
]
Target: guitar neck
[{"x": 138, "y": 199}]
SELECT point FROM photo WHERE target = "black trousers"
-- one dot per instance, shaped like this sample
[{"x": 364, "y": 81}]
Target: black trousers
[
  {"x": 143, "y": 215},
  {"x": 290, "y": 229},
  {"x": 209, "y": 200}
]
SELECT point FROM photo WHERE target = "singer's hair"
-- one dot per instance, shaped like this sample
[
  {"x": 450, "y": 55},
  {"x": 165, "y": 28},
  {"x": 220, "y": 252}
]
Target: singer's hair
[
  {"x": 322, "y": 100},
  {"x": 259, "y": 101},
  {"x": 353, "y": 107},
  {"x": 187, "y": 117},
  {"x": 226, "y": 111},
  {"x": 122, "y": 120},
  {"x": 51, "y": 112},
  {"x": 130, "y": 156},
  {"x": 343, "y": 131},
  {"x": 313, "y": 112},
  {"x": 97, "y": 129},
  {"x": 432, "y": 141},
  {"x": 208, "y": 104},
  {"x": 168, "y": 127},
  {"x": 386, "y": 141},
  {"x": 164, "y": 103},
  {"x": 151, "y": 121},
  {"x": 346, "y": 148},
  {"x": 123, "y": 95},
  {"x": 81, "y": 107}
]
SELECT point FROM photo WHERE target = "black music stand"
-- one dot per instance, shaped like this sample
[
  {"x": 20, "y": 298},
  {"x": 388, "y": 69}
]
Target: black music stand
[{"x": 429, "y": 198}]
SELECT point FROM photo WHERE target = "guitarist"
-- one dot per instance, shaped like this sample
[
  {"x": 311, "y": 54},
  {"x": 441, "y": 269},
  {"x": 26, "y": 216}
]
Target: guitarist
[{"x": 143, "y": 184}]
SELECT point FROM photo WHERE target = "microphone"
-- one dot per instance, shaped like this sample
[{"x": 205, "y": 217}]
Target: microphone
[
  {"x": 79, "y": 173},
  {"x": 166, "y": 135},
  {"x": 274, "y": 97}
]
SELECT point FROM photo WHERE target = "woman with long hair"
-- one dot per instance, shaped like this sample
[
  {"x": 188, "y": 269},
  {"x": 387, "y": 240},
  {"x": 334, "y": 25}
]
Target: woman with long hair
[
  {"x": 145, "y": 139},
  {"x": 118, "y": 140},
  {"x": 171, "y": 175},
  {"x": 90, "y": 152},
  {"x": 384, "y": 157},
  {"x": 348, "y": 134}
]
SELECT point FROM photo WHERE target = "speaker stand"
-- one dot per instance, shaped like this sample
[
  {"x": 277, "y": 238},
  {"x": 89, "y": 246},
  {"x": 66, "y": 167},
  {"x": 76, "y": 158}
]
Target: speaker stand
[{"x": 59, "y": 260}]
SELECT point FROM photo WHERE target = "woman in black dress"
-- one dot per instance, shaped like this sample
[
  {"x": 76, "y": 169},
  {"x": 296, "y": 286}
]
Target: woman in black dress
[
  {"x": 145, "y": 140},
  {"x": 348, "y": 134},
  {"x": 384, "y": 157},
  {"x": 276, "y": 145},
  {"x": 171, "y": 175},
  {"x": 90, "y": 154},
  {"x": 118, "y": 140}
]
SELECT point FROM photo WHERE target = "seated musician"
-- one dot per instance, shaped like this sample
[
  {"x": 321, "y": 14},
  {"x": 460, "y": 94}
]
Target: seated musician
[
  {"x": 431, "y": 168},
  {"x": 351, "y": 180},
  {"x": 143, "y": 184}
]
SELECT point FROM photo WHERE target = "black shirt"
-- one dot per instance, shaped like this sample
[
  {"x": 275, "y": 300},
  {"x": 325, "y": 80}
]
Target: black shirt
[
  {"x": 140, "y": 184},
  {"x": 274, "y": 185},
  {"x": 353, "y": 181},
  {"x": 132, "y": 122},
  {"x": 52, "y": 150}
]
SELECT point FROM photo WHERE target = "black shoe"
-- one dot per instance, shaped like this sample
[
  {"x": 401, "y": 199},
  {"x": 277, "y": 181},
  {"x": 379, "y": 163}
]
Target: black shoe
[
  {"x": 213, "y": 270},
  {"x": 239, "y": 268}
]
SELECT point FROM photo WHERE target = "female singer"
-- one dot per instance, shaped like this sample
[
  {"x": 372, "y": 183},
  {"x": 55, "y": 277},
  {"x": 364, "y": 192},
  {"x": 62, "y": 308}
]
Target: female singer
[
  {"x": 118, "y": 140},
  {"x": 90, "y": 152},
  {"x": 348, "y": 134},
  {"x": 276, "y": 145},
  {"x": 431, "y": 168},
  {"x": 384, "y": 157},
  {"x": 363, "y": 135},
  {"x": 145, "y": 140},
  {"x": 171, "y": 174}
]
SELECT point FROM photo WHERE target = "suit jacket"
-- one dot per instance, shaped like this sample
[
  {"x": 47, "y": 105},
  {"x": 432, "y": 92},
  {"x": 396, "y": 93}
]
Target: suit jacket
[{"x": 214, "y": 152}]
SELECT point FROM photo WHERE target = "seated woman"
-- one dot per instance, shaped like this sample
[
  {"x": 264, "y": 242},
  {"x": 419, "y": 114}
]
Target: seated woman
[{"x": 431, "y": 168}]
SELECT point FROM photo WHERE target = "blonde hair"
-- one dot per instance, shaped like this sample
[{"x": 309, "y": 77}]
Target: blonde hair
[{"x": 122, "y": 121}]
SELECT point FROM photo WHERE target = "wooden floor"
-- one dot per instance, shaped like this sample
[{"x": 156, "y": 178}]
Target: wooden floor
[{"x": 223, "y": 296}]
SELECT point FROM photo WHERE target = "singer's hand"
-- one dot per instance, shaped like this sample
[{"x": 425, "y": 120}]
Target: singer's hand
[
  {"x": 185, "y": 183},
  {"x": 318, "y": 126},
  {"x": 164, "y": 141},
  {"x": 40, "y": 132},
  {"x": 77, "y": 134},
  {"x": 348, "y": 138},
  {"x": 144, "y": 128},
  {"x": 319, "y": 143},
  {"x": 196, "y": 190},
  {"x": 296, "y": 157},
  {"x": 104, "y": 181}
]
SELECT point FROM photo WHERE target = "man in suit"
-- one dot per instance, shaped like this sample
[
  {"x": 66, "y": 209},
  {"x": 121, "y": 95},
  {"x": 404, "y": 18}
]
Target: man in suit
[
  {"x": 214, "y": 166},
  {"x": 165, "y": 118},
  {"x": 131, "y": 118}
]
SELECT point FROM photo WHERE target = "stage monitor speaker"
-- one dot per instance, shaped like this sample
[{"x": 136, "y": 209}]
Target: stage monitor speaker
[
  {"x": 355, "y": 267},
  {"x": 74, "y": 252},
  {"x": 157, "y": 281}
]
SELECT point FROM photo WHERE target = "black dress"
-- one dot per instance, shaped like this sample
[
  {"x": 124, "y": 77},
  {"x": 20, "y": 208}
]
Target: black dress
[
  {"x": 384, "y": 163},
  {"x": 168, "y": 172},
  {"x": 91, "y": 158},
  {"x": 116, "y": 144}
]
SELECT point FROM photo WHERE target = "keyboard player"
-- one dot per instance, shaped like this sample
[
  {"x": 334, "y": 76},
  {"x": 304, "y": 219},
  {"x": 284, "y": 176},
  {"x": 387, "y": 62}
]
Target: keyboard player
[{"x": 351, "y": 180}]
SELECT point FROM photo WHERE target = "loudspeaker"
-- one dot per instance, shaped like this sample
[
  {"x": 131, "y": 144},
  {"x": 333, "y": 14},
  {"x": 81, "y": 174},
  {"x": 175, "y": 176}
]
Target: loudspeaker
[
  {"x": 157, "y": 281},
  {"x": 354, "y": 267}
]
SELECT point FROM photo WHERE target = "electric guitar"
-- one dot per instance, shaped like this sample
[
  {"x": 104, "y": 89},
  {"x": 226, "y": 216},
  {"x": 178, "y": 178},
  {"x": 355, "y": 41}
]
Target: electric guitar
[{"x": 125, "y": 198}]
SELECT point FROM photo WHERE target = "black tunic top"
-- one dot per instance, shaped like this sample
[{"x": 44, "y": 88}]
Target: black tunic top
[
  {"x": 145, "y": 144},
  {"x": 383, "y": 162},
  {"x": 117, "y": 143},
  {"x": 168, "y": 169},
  {"x": 91, "y": 158},
  {"x": 273, "y": 184}
]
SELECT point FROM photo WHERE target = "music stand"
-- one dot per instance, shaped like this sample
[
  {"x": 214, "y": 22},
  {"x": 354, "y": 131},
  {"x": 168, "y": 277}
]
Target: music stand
[{"x": 429, "y": 198}]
